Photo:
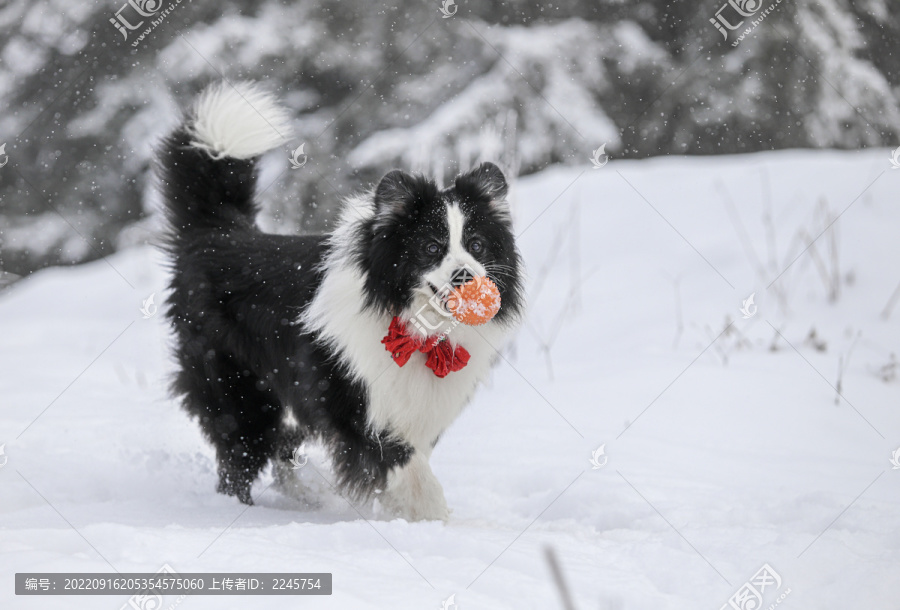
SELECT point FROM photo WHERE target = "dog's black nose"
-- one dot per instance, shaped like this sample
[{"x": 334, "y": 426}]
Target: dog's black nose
[{"x": 461, "y": 276}]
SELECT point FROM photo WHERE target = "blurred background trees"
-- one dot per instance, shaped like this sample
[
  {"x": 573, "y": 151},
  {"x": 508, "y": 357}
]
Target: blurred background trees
[{"x": 375, "y": 86}]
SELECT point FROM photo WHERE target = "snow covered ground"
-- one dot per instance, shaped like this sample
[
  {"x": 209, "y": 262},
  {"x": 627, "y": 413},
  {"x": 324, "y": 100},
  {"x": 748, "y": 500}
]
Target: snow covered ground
[{"x": 726, "y": 446}]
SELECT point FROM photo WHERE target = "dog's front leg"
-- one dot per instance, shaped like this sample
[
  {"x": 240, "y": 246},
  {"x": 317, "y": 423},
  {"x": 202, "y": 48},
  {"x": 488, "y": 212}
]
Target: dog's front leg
[{"x": 414, "y": 493}]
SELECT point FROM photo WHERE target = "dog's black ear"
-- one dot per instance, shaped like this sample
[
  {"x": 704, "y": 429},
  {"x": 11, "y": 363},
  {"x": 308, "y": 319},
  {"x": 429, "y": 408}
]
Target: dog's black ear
[
  {"x": 485, "y": 181},
  {"x": 396, "y": 191}
]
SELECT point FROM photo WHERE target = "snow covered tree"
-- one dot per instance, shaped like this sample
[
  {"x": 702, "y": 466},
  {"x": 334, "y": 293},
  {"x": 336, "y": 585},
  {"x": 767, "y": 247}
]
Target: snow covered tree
[{"x": 374, "y": 86}]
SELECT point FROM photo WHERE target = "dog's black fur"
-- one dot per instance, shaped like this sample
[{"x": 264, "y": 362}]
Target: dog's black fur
[{"x": 237, "y": 294}]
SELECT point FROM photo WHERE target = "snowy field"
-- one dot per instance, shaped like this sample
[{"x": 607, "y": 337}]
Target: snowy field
[{"x": 726, "y": 444}]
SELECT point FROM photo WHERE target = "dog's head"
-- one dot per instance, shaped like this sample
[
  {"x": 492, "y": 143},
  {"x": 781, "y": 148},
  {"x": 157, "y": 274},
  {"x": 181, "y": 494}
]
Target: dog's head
[{"x": 423, "y": 240}]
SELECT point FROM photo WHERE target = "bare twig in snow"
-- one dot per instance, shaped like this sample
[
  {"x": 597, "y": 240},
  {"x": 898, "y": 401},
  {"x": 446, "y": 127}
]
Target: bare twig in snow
[
  {"x": 773, "y": 346},
  {"x": 889, "y": 307},
  {"x": 556, "y": 571},
  {"x": 741, "y": 230},
  {"x": 575, "y": 256},
  {"x": 843, "y": 363}
]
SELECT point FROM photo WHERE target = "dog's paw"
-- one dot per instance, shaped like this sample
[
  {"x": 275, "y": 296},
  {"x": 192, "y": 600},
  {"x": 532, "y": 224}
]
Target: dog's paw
[
  {"x": 240, "y": 489},
  {"x": 413, "y": 493},
  {"x": 292, "y": 484},
  {"x": 395, "y": 508}
]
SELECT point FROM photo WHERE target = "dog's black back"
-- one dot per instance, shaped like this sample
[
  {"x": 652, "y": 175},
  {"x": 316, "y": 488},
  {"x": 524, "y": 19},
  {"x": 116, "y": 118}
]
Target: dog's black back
[{"x": 236, "y": 294}]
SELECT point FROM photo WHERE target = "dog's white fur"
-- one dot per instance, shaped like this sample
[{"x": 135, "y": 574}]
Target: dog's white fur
[
  {"x": 412, "y": 402},
  {"x": 243, "y": 121},
  {"x": 240, "y": 121}
]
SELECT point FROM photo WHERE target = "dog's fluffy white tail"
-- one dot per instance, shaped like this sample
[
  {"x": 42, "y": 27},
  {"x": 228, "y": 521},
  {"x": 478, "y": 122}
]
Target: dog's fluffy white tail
[{"x": 240, "y": 121}]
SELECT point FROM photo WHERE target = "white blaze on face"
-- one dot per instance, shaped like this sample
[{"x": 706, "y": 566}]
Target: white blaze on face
[{"x": 457, "y": 255}]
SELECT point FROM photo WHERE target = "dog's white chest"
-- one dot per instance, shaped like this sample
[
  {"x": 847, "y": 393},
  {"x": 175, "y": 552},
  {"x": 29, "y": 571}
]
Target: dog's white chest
[
  {"x": 410, "y": 401},
  {"x": 417, "y": 404}
]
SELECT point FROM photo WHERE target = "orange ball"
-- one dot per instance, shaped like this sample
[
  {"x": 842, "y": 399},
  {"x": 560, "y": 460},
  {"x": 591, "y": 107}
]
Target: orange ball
[{"x": 475, "y": 302}]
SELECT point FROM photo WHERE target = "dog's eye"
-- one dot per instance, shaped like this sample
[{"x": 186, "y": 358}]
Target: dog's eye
[
  {"x": 433, "y": 248},
  {"x": 476, "y": 246}
]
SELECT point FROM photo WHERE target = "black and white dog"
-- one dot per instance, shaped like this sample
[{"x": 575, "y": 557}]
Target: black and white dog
[{"x": 282, "y": 339}]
